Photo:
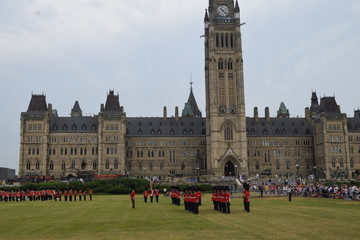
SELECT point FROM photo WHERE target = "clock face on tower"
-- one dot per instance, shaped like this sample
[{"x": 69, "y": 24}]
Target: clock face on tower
[{"x": 223, "y": 10}]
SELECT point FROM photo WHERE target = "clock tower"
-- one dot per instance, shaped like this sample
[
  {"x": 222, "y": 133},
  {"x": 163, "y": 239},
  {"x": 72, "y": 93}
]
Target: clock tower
[{"x": 224, "y": 82}]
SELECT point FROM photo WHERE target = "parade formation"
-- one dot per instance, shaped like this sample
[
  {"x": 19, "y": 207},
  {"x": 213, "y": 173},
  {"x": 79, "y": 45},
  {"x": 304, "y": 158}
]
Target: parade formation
[{"x": 44, "y": 195}]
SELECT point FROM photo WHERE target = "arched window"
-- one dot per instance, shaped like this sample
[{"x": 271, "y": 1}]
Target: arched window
[
  {"x": 217, "y": 40},
  {"x": 83, "y": 165},
  {"x": 128, "y": 166},
  {"x": 257, "y": 166},
  {"x": 183, "y": 166},
  {"x": 37, "y": 165},
  {"x": 116, "y": 164},
  {"x": 228, "y": 132},
  {"x": 230, "y": 65},
  {"x": 227, "y": 40},
  {"x": 51, "y": 165},
  {"x": 150, "y": 166},
  {"x": 94, "y": 165},
  {"x": 341, "y": 163},
  {"x": 107, "y": 164},
  {"x": 28, "y": 165},
  {"x": 351, "y": 163},
  {"x": 139, "y": 167},
  {"x": 231, "y": 40},
  {"x": 161, "y": 166},
  {"x": 73, "y": 165},
  {"x": 287, "y": 165},
  {"x": 333, "y": 162},
  {"x": 277, "y": 165},
  {"x": 63, "y": 166},
  {"x": 222, "y": 40}
]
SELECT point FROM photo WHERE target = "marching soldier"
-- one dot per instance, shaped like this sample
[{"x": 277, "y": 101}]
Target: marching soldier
[
  {"x": 132, "y": 197},
  {"x": 146, "y": 193},
  {"x": 157, "y": 194}
]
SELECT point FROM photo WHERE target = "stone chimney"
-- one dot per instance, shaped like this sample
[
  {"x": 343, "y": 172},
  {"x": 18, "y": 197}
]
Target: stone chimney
[
  {"x": 256, "y": 114},
  {"x": 307, "y": 114},
  {"x": 176, "y": 113},
  {"x": 165, "y": 113},
  {"x": 267, "y": 114}
]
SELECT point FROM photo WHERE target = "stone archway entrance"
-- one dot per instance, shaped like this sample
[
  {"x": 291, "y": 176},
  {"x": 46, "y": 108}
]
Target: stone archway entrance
[{"x": 229, "y": 169}]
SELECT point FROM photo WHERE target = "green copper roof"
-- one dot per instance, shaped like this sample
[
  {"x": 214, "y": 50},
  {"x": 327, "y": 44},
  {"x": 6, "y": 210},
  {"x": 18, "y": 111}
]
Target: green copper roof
[
  {"x": 187, "y": 111},
  {"x": 283, "y": 111}
]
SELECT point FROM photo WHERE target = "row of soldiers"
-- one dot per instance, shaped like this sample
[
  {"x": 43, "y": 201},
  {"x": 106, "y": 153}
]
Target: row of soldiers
[
  {"x": 151, "y": 192},
  {"x": 221, "y": 199},
  {"x": 175, "y": 195},
  {"x": 192, "y": 199},
  {"x": 44, "y": 195}
]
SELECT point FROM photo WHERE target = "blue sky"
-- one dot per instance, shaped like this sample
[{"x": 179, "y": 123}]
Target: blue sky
[{"x": 146, "y": 50}]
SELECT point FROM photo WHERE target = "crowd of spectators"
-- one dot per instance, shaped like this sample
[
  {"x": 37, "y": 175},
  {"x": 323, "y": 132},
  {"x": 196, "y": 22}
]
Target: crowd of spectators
[{"x": 300, "y": 188}]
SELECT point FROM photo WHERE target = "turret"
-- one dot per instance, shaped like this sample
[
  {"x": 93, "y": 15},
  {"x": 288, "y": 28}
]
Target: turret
[
  {"x": 76, "y": 110},
  {"x": 206, "y": 20},
  {"x": 237, "y": 10}
]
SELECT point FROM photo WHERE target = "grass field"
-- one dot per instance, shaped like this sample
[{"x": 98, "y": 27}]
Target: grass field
[{"x": 111, "y": 217}]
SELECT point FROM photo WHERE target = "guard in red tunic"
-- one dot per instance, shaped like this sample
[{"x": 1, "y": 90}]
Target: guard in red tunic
[
  {"x": 246, "y": 199},
  {"x": 146, "y": 193},
  {"x": 66, "y": 194},
  {"x": 132, "y": 197},
  {"x": 70, "y": 195},
  {"x": 157, "y": 194},
  {"x": 80, "y": 194},
  {"x": 91, "y": 194}
]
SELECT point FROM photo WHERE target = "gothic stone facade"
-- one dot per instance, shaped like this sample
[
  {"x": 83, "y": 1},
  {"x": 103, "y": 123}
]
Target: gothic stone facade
[{"x": 325, "y": 143}]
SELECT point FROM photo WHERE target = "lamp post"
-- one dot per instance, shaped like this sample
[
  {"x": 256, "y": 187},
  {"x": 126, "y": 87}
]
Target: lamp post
[
  {"x": 315, "y": 171},
  {"x": 198, "y": 174},
  {"x": 236, "y": 173},
  {"x": 144, "y": 171}
]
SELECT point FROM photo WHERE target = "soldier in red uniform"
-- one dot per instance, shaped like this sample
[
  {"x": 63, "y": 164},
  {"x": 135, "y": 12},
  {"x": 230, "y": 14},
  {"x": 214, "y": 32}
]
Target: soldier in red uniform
[
  {"x": 146, "y": 193},
  {"x": 80, "y": 194},
  {"x": 91, "y": 194},
  {"x": 246, "y": 198},
  {"x": 198, "y": 195},
  {"x": 157, "y": 194},
  {"x": 132, "y": 197},
  {"x": 70, "y": 194},
  {"x": 85, "y": 195},
  {"x": 66, "y": 194}
]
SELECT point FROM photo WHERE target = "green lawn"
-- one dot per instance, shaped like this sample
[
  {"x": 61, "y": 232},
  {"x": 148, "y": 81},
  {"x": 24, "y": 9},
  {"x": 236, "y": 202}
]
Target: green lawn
[{"x": 111, "y": 217}]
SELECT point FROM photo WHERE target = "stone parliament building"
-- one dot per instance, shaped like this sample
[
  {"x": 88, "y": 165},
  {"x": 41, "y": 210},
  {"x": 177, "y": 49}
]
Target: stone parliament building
[{"x": 324, "y": 144}]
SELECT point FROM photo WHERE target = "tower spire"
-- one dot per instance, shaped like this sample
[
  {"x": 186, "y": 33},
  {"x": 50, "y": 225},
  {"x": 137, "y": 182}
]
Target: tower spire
[{"x": 191, "y": 83}]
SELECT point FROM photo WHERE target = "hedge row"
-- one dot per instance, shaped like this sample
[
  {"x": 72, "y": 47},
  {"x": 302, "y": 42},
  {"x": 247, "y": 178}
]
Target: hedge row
[{"x": 112, "y": 186}]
